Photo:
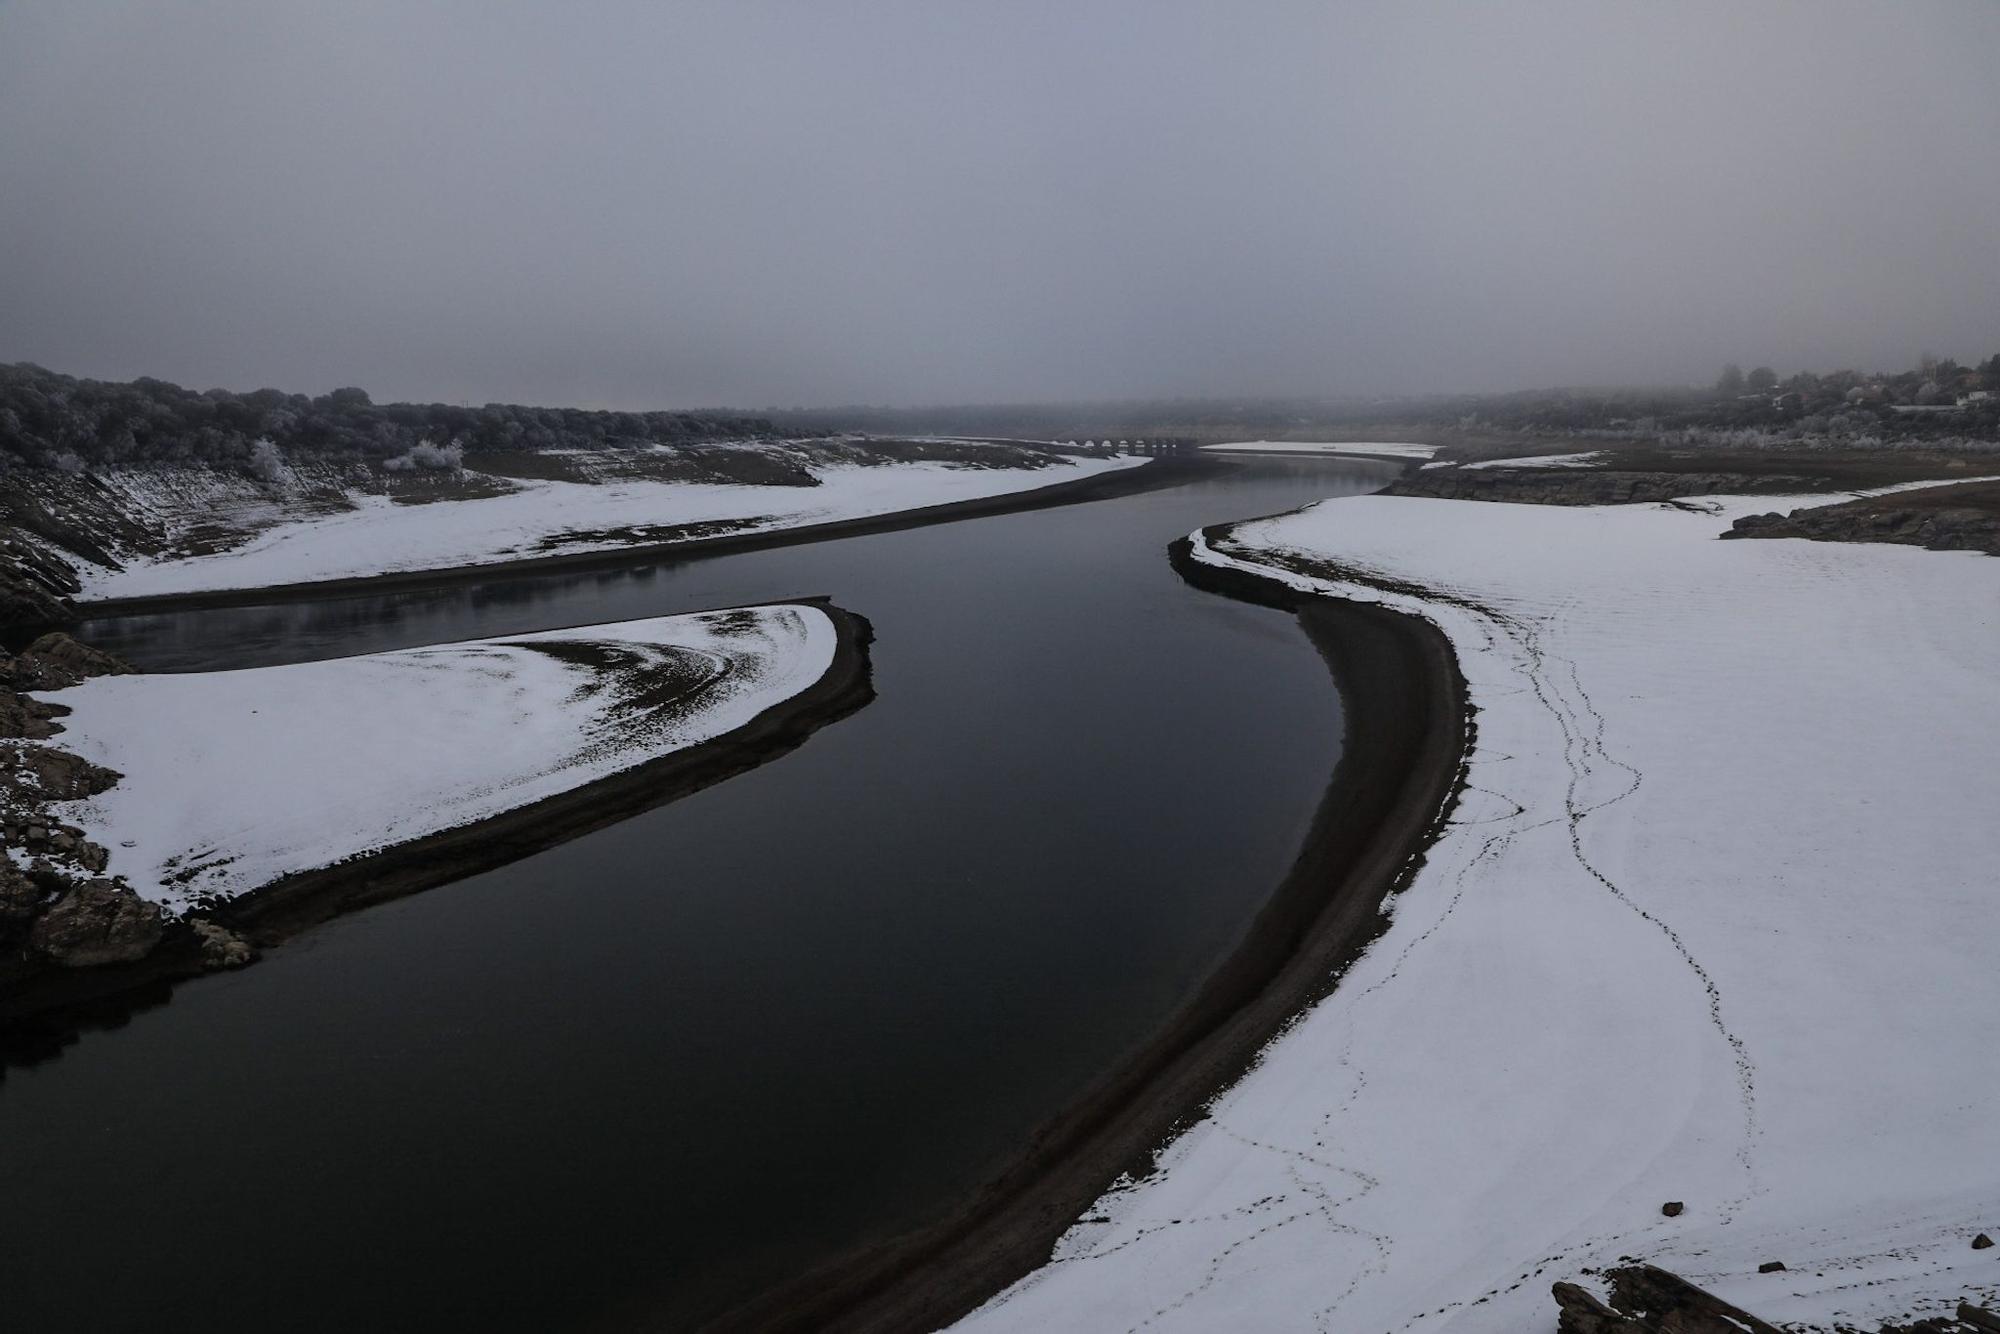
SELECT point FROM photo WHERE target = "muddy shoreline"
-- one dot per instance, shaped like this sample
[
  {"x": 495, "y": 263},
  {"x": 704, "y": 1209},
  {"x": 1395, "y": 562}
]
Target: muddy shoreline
[
  {"x": 1409, "y": 728},
  {"x": 45, "y": 1007},
  {"x": 1156, "y": 474}
]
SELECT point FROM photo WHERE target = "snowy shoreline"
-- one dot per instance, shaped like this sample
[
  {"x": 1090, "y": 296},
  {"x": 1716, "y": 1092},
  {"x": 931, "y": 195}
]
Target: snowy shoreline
[
  {"x": 555, "y": 525},
  {"x": 1649, "y": 959}
]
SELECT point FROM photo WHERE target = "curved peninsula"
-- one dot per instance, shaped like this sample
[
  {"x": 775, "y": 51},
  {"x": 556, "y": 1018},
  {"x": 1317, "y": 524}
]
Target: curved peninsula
[{"x": 256, "y": 803}]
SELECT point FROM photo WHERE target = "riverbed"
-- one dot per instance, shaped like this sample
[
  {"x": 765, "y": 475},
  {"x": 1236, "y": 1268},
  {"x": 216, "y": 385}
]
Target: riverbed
[{"x": 661, "y": 1067}]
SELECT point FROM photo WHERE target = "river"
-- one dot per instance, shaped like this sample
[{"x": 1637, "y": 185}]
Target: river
[{"x": 672, "y": 1062}]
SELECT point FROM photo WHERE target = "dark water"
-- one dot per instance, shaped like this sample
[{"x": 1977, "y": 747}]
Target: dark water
[{"x": 685, "y": 1056}]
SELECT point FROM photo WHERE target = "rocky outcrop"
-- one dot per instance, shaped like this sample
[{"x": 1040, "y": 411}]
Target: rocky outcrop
[
  {"x": 51, "y": 774},
  {"x": 30, "y": 829},
  {"x": 20, "y": 900},
  {"x": 71, "y": 915},
  {"x": 1586, "y": 486},
  {"x": 221, "y": 947},
  {"x": 1643, "y": 1299},
  {"x": 35, "y": 588},
  {"x": 56, "y": 662},
  {"x": 26, "y": 605},
  {"x": 1646, "y": 1300},
  {"x": 1934, "y": 529},
  {"x": 97, "y": 922},
  {"x": 24, "y": 718}
]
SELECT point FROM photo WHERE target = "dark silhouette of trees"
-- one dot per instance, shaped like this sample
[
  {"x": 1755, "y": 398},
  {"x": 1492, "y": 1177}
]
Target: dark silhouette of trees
[{"x": 49, "y": 420}]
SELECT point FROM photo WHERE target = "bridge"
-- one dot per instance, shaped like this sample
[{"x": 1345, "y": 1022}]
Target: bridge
[{"x": 1152, "y": 445}]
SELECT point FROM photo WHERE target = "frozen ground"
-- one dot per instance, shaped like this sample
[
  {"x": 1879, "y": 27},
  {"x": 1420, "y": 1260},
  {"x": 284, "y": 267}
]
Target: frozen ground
[
  {"x": 1378, "y": 449},
  {"x": 234, "y": 779},
  {"x": 1713, "y": 923},
  {"x": 544, "y": 518}
]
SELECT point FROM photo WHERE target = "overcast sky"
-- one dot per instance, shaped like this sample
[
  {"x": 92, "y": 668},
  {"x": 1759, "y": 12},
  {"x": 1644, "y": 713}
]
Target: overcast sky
[{"x": 673, "y": 205}]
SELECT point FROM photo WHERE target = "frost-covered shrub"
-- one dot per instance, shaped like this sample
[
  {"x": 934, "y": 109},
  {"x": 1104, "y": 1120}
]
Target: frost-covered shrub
[
  {"x": 67, "y": 463},
  {"x": 266, "y": 463},
  {"x": 426, "y": 456}
]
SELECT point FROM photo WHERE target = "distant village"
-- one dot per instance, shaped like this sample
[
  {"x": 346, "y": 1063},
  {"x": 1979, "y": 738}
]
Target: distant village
[{"x": 1936, "y": 385}]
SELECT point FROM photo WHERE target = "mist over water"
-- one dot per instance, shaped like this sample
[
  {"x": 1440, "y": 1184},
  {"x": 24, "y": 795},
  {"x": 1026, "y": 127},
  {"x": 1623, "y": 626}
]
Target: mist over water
[{"x": 633, "y": 205}]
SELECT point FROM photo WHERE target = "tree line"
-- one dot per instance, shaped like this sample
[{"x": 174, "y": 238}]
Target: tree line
[{"x": 54, "y": 421}]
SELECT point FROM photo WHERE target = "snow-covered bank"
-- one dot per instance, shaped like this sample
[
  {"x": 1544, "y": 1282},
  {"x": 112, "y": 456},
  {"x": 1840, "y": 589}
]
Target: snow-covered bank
[
  {"x": 1712, "y": 924},
  {"x": 1367, "y": 449},
  {"x": 233, "y": 780},
  {"x": 550, "y": 518}
]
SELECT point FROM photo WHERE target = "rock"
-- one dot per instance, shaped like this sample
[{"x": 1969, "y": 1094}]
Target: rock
[
  {"x": 56, "y": 661},
  {"x": 57, "y": 774},
  {"x": 27, "y": 718},
  {"x": 1672, "y": 1208},
  {"x": 1982, "y": 1242},
  {"x": 1578, "y": 1312},
  {"x": 1656, "y": 1300},
  {"x": 92, "y": 857},
  {"x": 1965, "y": 529},
  {"x": 1771, "y": 1267},
  {"x": 26, "y": 602},
  {"x": 221, "y": 947},
  {"x": 46, "y": 570},
  {"x": 19, "y": 897},
  {"x": 97, "y": 922}
]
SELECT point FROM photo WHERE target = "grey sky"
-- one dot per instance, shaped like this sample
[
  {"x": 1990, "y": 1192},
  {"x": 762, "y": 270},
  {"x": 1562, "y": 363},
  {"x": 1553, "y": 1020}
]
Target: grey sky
[{"x": 652, "y": 204}]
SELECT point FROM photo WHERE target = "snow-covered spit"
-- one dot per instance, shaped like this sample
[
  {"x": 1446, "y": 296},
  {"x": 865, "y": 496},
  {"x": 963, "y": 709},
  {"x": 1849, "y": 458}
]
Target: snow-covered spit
[
  {"x": 1713, "y": 922},
  {"x": 1367, "y": 449},
  {"x": 546, "y": 518},
  {"x": 234, "y": 780},
  {"x": 1589, "y": 458}
]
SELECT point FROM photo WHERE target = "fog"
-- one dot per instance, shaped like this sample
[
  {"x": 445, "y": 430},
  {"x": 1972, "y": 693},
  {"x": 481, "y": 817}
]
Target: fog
[{"x": 643, "y": 205}]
